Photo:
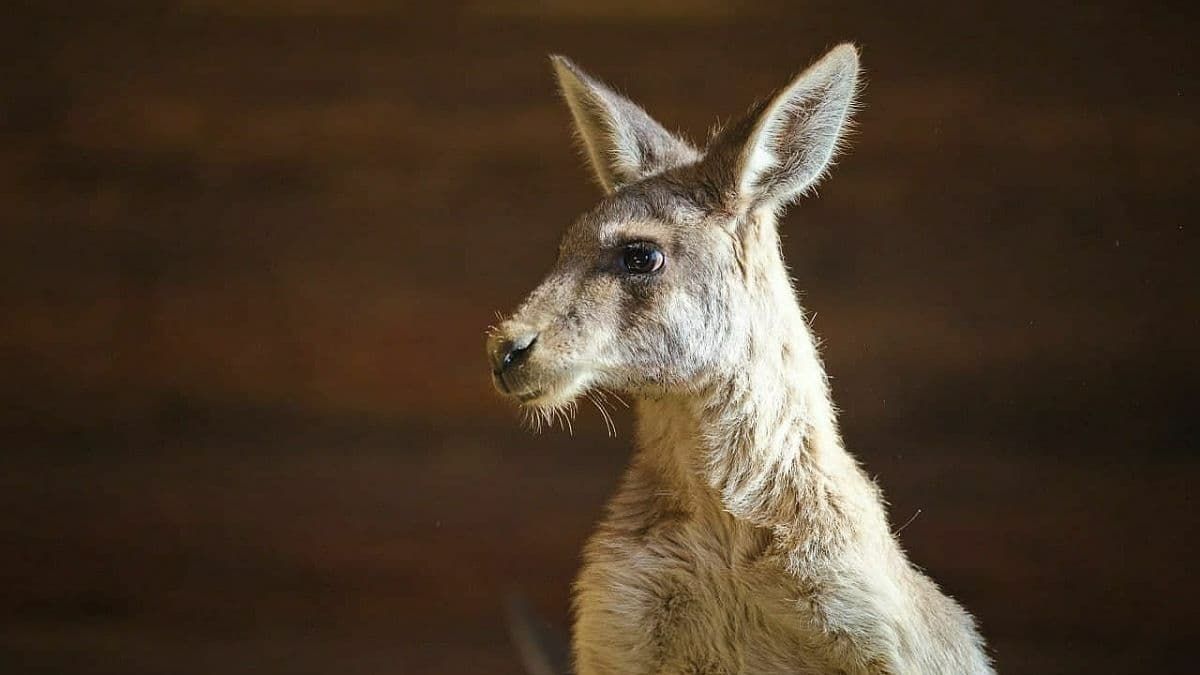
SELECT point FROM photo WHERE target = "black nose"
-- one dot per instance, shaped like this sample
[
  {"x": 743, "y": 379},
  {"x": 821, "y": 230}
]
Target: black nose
[{"x": 511, "y": 352}]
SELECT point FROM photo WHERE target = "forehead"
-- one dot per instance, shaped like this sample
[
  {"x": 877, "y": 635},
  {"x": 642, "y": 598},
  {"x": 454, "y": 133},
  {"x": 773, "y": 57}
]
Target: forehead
[{"x": 649, "y": 209}]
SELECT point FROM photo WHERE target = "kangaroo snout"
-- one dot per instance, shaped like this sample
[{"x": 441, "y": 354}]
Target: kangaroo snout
[
  {"x": 509, "y": 352},
  {"x": 507, "y": 349}
]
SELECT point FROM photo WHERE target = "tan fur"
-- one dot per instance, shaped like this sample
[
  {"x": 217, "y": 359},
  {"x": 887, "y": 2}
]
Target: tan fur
[{"x": 743, "y": 538}]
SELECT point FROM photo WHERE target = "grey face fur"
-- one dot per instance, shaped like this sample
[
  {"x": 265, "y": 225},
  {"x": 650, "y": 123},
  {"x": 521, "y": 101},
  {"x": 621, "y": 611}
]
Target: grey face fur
[{"x": 591, "y": 322}]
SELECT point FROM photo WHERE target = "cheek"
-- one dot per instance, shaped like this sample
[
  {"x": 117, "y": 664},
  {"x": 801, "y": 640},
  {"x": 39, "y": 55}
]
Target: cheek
[
  {"x": 673, "y": 333},
  {"x": 704, "y": 317}
]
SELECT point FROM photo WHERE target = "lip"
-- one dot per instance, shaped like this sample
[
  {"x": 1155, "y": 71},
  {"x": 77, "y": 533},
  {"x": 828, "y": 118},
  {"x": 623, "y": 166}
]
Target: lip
[
  {"x": 498, "y": 380},
  {"x": 522, "y": 396}
]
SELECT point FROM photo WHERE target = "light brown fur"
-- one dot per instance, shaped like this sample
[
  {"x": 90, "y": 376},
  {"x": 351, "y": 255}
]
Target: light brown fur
[{"x": 744, "y": 538}]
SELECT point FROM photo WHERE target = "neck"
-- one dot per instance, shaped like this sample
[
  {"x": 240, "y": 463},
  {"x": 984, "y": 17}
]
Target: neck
[
  {"x": 755, "y": 450},
  {"x": 760, "y": 440}
]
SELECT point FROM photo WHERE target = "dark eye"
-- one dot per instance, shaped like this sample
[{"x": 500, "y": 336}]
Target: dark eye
[{"x": 642, "y": 257}]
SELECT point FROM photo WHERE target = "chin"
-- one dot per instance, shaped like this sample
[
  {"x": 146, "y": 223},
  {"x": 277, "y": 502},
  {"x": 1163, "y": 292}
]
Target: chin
[{"x": 559, "y": 394}]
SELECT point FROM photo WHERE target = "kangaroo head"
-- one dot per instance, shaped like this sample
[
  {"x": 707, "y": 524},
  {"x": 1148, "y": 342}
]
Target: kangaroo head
[{"x": 663, "y": 284}]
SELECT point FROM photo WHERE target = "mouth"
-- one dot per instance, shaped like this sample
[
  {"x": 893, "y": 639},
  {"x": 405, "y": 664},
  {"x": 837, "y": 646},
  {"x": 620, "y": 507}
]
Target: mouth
[
  {"x": 522, "y": 395},
  {"x": 560, "y": 392}
]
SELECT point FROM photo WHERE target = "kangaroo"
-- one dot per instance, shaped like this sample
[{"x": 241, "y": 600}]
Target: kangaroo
[{"x": 743, "y": 538}]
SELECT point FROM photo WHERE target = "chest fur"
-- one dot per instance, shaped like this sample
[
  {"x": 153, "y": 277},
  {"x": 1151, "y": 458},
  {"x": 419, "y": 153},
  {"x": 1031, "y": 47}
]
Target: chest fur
[{"x": 666, "y": 589}]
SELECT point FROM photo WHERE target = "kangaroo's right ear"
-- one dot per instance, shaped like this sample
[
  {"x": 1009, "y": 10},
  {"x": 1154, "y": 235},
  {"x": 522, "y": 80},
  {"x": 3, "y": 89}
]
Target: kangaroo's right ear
[{"x": 623, "y": 143}]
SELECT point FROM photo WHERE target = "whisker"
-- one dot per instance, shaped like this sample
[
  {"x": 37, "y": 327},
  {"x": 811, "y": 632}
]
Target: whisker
[
  {"x": 572, "y": 410},
  {"x": 614, "y": 395},
  {"x": 566, "y": 419},
  {"x": 609, "y": 427}
]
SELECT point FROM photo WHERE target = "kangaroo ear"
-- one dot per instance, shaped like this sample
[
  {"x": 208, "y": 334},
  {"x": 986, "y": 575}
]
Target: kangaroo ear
[
  {"x": 784, "y": 145},
  {"x": 623, "y": 143}
]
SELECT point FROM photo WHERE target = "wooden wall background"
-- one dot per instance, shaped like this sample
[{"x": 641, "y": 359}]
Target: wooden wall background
[{"x": 248, "y": 250}]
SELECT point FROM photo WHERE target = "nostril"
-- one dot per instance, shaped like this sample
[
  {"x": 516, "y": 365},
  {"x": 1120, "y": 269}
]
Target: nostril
[
  {"x": 524, "y": 342},
  {"x": 517, "y": 350}
]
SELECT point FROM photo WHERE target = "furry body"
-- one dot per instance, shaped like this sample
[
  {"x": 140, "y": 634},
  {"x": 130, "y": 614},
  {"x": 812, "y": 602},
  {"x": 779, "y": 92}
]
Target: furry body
[{"x": 744, "y": 538}]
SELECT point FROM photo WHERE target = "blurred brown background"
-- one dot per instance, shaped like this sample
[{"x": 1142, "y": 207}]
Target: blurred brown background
[{"x": 248, "y": 249}]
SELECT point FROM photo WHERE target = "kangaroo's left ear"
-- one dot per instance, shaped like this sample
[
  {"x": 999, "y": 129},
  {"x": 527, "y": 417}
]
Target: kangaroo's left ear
[
  {"x": 784, "y": 145},
  {"x": 623, "y": 143}
]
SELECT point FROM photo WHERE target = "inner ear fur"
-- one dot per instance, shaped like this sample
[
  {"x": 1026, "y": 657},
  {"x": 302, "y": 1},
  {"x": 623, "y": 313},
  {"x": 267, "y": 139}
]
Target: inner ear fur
[
  {"x": 622, "y": 142},
  {"x": 784, "y": 145}
]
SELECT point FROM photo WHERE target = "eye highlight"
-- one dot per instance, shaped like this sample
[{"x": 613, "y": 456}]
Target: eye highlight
[{"x": 642, "y": 257}]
